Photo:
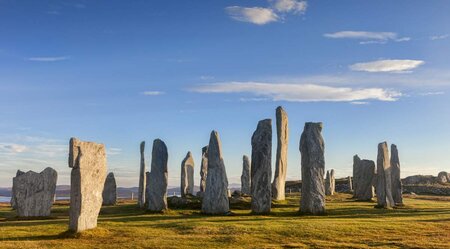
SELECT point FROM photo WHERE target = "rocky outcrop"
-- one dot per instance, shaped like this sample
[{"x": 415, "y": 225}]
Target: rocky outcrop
[
  {"x": 245, "y": 177},
  {"x": 13, "y": 198},
  {"x": 384, "y": 184},
  {"x": 395, "y": 176},
  {"x": 279, "y": 181},
  {"x": 215, "y": 199},
  {"x": 187, "y": 175},
  {"x": 312, "y": 148},
  {"x": 366, "y": 179},
  {"x": 419, "y": 179},
  {"x": 330, "y": 183},
  {"x": 261, "y": 172},
  {"x": 34, "y": 192},
  {"x": 142, "y": 177},
  {"x": 157, "y": 195},
  {"x": 88, "y": 163},
  {"x": 204, "y": 169},
  {"x": 110, "y": 190}
]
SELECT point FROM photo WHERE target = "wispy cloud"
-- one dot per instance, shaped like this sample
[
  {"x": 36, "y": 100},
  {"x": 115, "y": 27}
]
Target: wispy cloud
[
  {"x": 289, "y": 6},
  {"x": 432, "y": 93},
  {"x": 152, "y": 93},
  {"x": 300, "y": 92},
  {"x": 207, "y": 77},
  {"x": 265, "y": 15},
  {"x": 12, "y": 148},
  {"x": 48, "y": 59},
  {"x": 439, "y": 37},
  {"x": 387, "y": 66},
  {"x": 255, "y": 15},
  {"x": 367, "y": 36}
]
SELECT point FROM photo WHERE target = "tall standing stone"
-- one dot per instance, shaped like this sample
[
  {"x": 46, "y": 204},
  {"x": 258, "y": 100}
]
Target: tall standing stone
[
  {"x": 158, "y": 177},
  {"x": 187, "y": 175},
  {"x": 215, "y": 199},
  {"x": 356, "y": 173},
  {"x": 312, "y": 148},
  {"x": 365, "y": 178},
  {"x": 350, "y": 184},
  {"x": 88, "y": 163},
  {"x": 330, "y": 183},
  {"x": 142, "y": 178},
  {"x": 204, "y": 169},
  {"x": 245, "y": 177},
  {"x": 261, "y": 170},
  {"x": 13, "y": 198},
  {"x": 147, "y": 187},
  {"x": 384, "y": 184},
  {"x": 395, "y": 176},
  {"x": 279, "y": 181},
  {"x": 110, "y": 190},
  {"x": 34, "y": 192}
]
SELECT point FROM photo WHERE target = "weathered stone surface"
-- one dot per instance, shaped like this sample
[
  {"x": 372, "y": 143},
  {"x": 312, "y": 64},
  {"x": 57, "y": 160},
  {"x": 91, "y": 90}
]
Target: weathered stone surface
[
  {"x": 147, "y": 187},
  {"x": 215, "y": 199},
  {"x": 312, "y": 148},
  {"x": 187, "y": 175},
  {"x": 384, "y": 184},
  {"x": 34, "y": 192},
  {"x": 395, "y": 176},
  {"x": 279, "y": 181},
  {"x": 110, "y": 190},
  {"x": 443, "y": 177},
  {"x": 419, "y": 179},
  {"x": 13, "y": 198},
  {"x": 364, "y": 179},
  {"x": 88, "y": 163},
  {"x": 245, "y": 177},
  {"x": 356, "y": 173},
  {"x": 158, "y": 177},
  {"x": 142, "y": 178},
  {"x": 350, "y": 184},
  {"x": 261, "y": 171},
  {"x": 203, "y": 170},
  {"x": 330, "y": 183}
]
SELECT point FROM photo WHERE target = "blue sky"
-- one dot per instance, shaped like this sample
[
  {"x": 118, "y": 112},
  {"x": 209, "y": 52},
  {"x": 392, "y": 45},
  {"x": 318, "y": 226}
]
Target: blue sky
[{"x": 119, "y": 72}]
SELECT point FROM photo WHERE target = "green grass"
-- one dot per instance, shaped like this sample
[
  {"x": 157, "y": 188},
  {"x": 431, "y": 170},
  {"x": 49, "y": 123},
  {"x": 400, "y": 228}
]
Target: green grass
[{"x": 424, "y": 222}]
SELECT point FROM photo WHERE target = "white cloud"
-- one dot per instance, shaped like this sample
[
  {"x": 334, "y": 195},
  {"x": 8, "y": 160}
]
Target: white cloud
[
  {"x": 369, "y": 37},
  {"x": 153, "y": 93},
  {"x": 48, "y": 59},
  {"x": 439, "y": 37},
  {"x": 289, "y": 6},
  {"x": 256, "y": 15},
  {"x": 300, "y": 92},
  {"x": 13, "y": 148},
  {"x": 390, "y": 66}
]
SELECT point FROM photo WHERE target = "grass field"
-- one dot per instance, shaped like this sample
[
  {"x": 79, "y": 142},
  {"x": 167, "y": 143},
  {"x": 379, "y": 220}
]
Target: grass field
[{"x": 424, "y": 222}]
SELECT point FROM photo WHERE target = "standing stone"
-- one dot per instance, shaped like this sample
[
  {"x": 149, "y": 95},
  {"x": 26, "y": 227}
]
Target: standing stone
[
  {"x": 366, "y": 178},
  {"x": 350, "y": 185},
  {"x": 384, "y": 184},
  {"x": 356, "y": 174},
  {"x": 13, "y": 198},
  {"x": 34, "y": 192},
  {"x": 88, "y": 163},
  {"x": 215, "y": 199},
  {"x": 312, "y": 148},
  {"x": 158, "y": 177},
  {"x": 245, "y": 177},
  {"x": 279, "y": 181},
  {"x": 330, "y": 183},
  {"x": 204, "y": 169},
  {"x": 110, "y": 190},
  {"x": 395, "y": 176},
  {"x": 142, "y": 178},
  {"x": 147, "y": 187},
  {"x": 261, "y": 170},
  {"x": 443, "y": 177},
  {"x": 187, "y": 175}
]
